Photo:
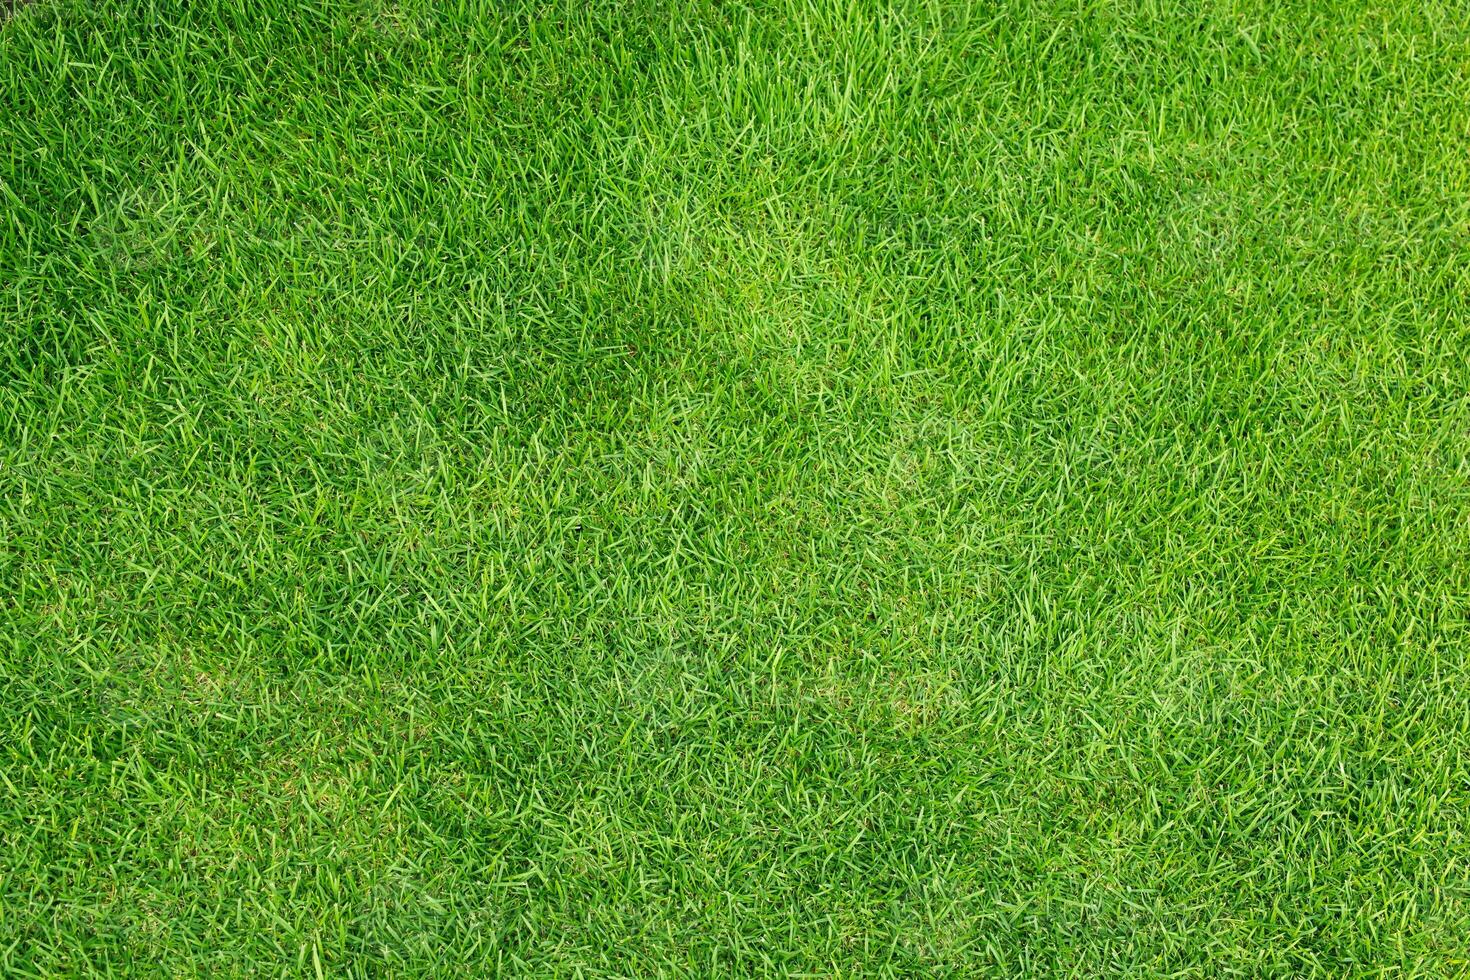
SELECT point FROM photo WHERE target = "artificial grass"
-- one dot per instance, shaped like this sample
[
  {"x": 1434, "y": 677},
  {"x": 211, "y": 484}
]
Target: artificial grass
[{"x": 824, "y": 488}]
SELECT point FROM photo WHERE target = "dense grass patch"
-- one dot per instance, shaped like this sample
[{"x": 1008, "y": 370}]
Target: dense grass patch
[{"x": 614, "y": 489}]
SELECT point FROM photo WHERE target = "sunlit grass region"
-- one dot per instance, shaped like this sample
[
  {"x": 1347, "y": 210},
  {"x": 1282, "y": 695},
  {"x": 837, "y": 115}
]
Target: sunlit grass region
[{"x": 814, "y": 488}]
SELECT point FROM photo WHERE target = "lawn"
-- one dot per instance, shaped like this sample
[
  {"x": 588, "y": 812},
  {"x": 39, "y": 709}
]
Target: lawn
[{"x": 623, "y": 488}]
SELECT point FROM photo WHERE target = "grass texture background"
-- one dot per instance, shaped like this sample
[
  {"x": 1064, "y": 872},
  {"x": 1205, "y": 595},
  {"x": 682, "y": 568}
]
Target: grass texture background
[{"x": 807, "y": 487}]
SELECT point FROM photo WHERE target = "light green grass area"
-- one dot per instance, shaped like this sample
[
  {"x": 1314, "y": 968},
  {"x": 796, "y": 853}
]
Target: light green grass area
[{"x": 813, "y": 488}]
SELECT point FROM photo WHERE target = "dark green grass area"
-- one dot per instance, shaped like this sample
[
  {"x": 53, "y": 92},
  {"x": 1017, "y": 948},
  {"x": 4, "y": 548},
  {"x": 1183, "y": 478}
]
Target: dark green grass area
[{"x": 812, "y": 488}]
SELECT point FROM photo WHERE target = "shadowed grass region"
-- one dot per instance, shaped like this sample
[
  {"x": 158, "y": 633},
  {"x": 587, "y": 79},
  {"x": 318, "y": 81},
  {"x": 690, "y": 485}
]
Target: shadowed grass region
[{"x": 811, "y": 488}]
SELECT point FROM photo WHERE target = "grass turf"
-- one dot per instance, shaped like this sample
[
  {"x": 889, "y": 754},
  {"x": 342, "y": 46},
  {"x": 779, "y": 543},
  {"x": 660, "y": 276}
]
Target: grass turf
[{"x": 813, "y": 487}]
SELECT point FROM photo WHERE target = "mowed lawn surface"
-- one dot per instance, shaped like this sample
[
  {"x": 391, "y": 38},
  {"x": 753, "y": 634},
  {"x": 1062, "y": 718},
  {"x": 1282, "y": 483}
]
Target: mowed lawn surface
[{"x": 825, "y": 487}]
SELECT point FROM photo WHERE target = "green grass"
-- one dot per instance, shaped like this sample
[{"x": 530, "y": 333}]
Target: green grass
[{"x": 789, "y": 488}]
